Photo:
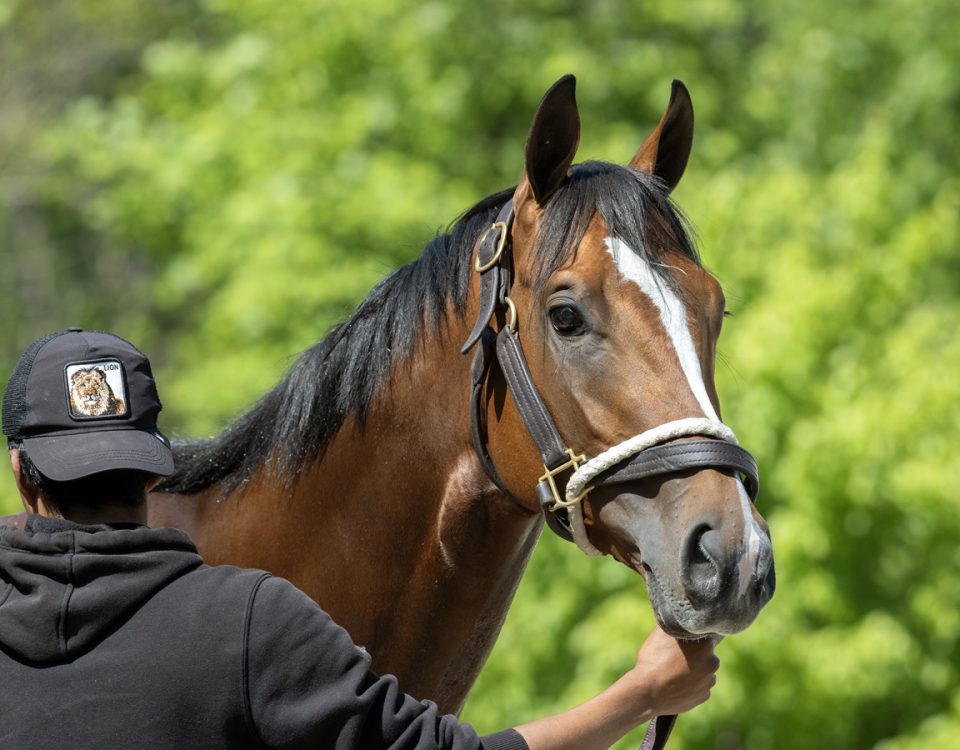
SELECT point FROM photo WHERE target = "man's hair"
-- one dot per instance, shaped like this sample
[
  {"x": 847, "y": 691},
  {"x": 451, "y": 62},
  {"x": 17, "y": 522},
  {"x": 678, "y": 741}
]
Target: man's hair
[{"x": 124, "y": 487}]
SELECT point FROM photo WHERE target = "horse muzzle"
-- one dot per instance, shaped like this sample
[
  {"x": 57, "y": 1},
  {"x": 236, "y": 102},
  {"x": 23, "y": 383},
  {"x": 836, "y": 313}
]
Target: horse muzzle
[
  {"x": 707, "y": 560},
  {"x": 721, "y": 592},
  {"x": 708, "y": 589}
]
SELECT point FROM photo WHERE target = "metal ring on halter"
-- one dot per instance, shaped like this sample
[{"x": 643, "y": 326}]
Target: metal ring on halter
[
  {"x": 502, "y": 226},
  {"x": 512, "y": 320}
]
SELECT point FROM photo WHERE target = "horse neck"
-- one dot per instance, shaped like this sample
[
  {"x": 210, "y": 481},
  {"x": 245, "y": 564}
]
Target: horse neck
[{"x": 436, "y": 548}]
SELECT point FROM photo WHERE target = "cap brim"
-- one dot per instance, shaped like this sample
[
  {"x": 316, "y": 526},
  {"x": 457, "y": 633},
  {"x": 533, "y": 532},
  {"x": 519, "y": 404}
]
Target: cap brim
[{"x": 70, "y": 456}]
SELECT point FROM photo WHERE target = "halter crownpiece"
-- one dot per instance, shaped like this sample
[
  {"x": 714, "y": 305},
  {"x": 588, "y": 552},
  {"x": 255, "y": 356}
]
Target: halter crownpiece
[{"x": 649, "y": 454}]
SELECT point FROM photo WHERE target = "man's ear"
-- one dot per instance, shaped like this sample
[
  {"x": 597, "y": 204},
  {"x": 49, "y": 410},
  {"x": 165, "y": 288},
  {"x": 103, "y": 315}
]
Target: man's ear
[{"x": 29, "y": 492}]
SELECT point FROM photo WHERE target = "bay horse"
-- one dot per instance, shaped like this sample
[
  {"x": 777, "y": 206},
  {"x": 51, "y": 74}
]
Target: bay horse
[{"x": 403, "y": 485}]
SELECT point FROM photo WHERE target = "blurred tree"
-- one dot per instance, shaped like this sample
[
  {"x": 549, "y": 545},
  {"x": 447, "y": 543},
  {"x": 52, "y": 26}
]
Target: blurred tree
[
  {"x": 253, "y": 168},
  {"x": 56, "y": 265}
]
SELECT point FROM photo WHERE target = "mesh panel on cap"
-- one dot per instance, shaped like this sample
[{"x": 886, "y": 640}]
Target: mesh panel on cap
[{"x": 14, "y": 397}]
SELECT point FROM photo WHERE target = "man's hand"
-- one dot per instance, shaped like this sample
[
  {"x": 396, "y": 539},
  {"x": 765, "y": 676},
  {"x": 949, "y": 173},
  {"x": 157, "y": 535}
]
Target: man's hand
[
  {"x": 674, "y": 676},
  {"x": 670, "y": 677}
]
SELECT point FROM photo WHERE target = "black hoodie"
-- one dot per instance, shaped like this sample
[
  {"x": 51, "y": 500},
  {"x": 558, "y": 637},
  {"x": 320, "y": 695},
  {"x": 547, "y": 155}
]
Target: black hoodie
[{"x": 122, "y": 638}]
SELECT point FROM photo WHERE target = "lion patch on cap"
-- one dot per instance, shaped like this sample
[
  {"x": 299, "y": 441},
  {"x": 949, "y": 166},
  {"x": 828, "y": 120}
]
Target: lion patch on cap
[{"x": 96, "y": 390}]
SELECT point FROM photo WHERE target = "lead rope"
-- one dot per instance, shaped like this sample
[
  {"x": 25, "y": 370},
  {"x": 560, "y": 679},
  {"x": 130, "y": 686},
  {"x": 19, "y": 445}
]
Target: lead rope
[{"x": 658, "y": 732}]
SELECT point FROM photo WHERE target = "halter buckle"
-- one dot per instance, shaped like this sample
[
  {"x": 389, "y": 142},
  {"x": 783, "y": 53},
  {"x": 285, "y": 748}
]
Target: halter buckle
[
  {"x": 574, "y": 463},
  {"x": 501, "y": 243}
]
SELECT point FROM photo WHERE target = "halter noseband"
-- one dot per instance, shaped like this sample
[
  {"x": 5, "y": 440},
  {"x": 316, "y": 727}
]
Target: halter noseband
[{"x": 649, "y": 454}]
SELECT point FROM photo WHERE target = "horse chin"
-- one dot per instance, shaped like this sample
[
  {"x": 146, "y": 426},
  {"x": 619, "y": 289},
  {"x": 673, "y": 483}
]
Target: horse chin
[{"x": 677, "y": 616}]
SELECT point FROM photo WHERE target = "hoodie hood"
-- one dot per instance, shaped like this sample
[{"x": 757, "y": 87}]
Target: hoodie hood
[{"x": 65, "y": 587}]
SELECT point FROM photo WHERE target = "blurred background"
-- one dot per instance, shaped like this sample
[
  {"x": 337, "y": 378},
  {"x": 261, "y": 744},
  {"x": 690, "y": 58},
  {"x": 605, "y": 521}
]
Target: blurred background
[{"x": 222, "y": 180}]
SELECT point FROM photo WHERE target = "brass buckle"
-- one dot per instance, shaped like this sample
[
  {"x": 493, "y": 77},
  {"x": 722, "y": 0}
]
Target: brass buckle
[
  {"x": 502, "y": 226},
  {"x": 574, "y": 463}
]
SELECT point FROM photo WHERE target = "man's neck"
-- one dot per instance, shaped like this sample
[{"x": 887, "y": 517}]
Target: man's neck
[{"x": 110, "y": 513}]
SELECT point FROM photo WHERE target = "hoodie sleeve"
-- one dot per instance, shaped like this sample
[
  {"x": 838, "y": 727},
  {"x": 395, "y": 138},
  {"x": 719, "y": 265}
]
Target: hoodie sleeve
[{"x": 309, "y": 686}]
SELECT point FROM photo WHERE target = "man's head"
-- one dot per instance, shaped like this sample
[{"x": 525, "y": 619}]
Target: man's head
[{"x": 80, "y": 417}]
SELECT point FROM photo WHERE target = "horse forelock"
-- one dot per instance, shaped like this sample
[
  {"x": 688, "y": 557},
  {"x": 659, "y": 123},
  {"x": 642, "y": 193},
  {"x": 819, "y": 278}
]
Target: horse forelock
[{"x": 636, "y": 209}]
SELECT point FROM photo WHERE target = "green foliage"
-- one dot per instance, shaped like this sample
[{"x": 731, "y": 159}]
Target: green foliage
[{"x": 246, "y": 175}]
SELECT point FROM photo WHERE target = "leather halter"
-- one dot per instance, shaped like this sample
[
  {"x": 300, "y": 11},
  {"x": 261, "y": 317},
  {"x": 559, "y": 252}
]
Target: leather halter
[{"x": 494, "y": 264}]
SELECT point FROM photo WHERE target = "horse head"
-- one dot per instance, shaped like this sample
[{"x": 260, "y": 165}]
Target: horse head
[{"x": 602, "y": 299}]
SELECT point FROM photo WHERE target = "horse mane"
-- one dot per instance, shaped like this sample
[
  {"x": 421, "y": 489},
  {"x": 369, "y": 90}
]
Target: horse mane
[{"x": 291, "y": 425}]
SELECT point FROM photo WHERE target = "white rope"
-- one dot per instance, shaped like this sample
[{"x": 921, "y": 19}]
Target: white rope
[
  {"x": 661, "y": 434},
  {"x": 578, "y": 530}
]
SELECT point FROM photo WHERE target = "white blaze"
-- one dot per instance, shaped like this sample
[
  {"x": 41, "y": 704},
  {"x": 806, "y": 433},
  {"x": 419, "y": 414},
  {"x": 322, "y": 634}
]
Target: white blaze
[
  {"x": 751, "y": 534},
  {"x": 673, "y": 315}
]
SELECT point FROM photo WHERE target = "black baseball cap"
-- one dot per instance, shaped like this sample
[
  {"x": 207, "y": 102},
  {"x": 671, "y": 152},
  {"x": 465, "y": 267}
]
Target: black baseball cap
[{"x": 82, "y": 402}]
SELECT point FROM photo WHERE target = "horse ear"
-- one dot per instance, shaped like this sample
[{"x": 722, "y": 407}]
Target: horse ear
[
  {"x": 553, "y": 138},
  {"x": 665, "y": 152}
]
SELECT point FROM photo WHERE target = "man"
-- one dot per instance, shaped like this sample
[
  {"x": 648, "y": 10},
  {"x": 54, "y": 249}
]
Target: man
[{"x": 113, "y": 634}]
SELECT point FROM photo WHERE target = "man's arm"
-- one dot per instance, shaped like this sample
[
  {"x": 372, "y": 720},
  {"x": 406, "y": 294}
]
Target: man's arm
[
  {"x": 308, "y": 685},
  {"x": 670, "y": 677}
]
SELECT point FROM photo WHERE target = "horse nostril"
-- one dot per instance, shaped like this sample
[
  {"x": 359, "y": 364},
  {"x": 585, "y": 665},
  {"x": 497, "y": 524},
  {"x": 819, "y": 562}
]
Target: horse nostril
[
  {"x": 699, "y": 563},
  {"x": 711, "y": 544}
]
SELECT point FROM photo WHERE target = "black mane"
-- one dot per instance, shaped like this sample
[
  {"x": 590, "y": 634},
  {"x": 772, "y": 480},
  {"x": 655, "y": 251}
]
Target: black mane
[{"x": 292, "y": 424}]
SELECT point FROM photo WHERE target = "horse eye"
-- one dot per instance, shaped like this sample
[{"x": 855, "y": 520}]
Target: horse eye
[{"x": 566, "y": 320}]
